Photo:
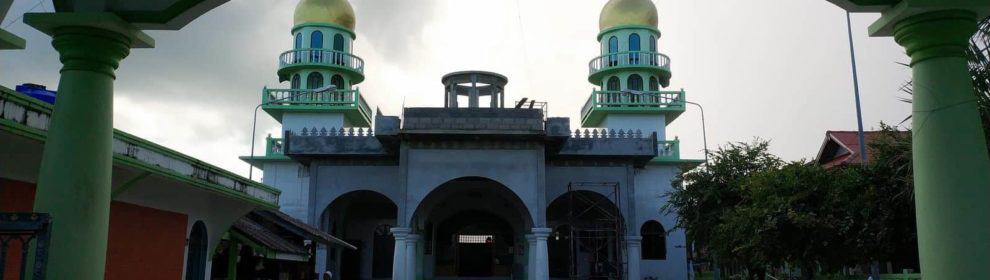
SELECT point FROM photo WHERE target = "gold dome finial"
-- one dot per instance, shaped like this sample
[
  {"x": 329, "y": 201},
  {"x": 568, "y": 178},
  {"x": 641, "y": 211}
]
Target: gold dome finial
[
  {"x": 628, "y": 12},
  {"x": 337, "y": 12}
]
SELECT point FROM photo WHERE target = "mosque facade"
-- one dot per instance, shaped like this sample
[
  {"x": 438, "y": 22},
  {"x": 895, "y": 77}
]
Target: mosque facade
[{"x": 480, "y": 188}]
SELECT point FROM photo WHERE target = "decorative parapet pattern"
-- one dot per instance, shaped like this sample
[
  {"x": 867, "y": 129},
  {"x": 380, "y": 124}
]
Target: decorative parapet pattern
[{"x": 29, "y": 117}]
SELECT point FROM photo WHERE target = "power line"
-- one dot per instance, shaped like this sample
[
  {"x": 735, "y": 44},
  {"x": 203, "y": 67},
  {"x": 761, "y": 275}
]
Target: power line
[{"x": 40, "y": 2}]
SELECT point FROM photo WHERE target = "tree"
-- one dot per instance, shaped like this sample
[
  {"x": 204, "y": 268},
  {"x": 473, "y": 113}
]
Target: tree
[
  {"x": 702, "y": 197},
  {"x": 979, "y": 67}
]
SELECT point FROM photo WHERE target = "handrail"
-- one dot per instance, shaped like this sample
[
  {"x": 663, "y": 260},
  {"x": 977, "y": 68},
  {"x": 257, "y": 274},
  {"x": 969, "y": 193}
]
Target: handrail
[
  {"x": 288, "y": 97},
  {"x": 321, "y": 57},
  {"x": 644, "y": 99},
  {"x": 274, "y": 146},
  {"x": 628, "y": 58}
]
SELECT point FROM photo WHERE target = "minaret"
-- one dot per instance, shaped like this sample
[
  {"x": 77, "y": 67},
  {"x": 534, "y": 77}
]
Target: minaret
[
  {"x": 630, "y": 72},
  {"x": 321, "y": 55}
]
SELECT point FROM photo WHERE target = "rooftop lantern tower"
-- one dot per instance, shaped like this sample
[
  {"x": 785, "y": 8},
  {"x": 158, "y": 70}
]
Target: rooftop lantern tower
[
  {"x": 321, "y": 56},
  {"x": 474, "y": 85}
]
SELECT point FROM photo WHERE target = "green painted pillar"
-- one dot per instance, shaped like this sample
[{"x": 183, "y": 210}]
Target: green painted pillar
[
  {"x": 232, "y": 254},
  {"x": 74, "y": 181},
  {"x": 951, "y": 165}
]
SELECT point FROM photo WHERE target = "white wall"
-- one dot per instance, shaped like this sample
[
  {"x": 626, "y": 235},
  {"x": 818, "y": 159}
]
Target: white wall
[
  {"x": 652, "y": 183},
  {"x": 293, "y": 180},
  {"x": 295, "y": 122}
]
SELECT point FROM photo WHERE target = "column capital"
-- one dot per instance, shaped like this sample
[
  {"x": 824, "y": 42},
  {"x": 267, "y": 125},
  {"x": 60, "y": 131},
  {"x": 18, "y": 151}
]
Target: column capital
[
  {"x": 936, "y": 34},
  {"x": 401, "y": 233},
  {"x": 634, "y": 239},
  {"x": 94, "y": 42},
  {"x": 541, "y": 232}
]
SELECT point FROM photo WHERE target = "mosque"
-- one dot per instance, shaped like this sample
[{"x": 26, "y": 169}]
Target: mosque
[{"x": 480, "y": 188}]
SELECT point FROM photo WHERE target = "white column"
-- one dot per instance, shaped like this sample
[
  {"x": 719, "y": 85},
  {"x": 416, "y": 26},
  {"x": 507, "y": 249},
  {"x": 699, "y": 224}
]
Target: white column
[
  {"x": 634, "y": 257},
  {"x": 321, "y": 258},
  {"x": 399, "y": 257},
  {"x": 539, "y": 261},
  {"x": 411, "y": 267}
]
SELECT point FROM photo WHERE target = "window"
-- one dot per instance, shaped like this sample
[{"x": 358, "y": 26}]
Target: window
[
  {"x": 654, "y": 241},
  {"x": 314, "y": 80},
  {"x": 298, "y": 42},
  {"x": 634, "y": 47},
  {"x": 295, "y": 83},
  {"x": 653, "y": 50},
  {"x": 613, "y": 47},
  {"x": 654, "y": 84},
  {"x": 613, "y": 84},
  {"x": 635, "y": 82},
  {"x": 316, "y": 43},
  {"x": 337, "y": 81},
  {"x": 338, "y": 47}
]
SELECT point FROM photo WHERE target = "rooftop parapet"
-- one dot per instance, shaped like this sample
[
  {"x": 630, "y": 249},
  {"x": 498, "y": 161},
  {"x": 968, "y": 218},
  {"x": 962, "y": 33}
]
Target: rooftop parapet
[{"x": 473, "y": 121}]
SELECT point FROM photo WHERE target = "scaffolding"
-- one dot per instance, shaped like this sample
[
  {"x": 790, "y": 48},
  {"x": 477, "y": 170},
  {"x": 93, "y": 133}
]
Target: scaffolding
[{"x": 596, "y": 231}]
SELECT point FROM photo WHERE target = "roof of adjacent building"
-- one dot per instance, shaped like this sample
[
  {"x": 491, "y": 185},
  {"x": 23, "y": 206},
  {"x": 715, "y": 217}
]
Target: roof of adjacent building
[
  {"x": 843, "y": 147},
  {"x": 281, "y": 233}
]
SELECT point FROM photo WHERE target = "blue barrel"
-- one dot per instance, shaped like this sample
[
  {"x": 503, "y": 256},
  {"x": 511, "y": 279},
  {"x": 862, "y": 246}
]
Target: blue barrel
[{"x": 37, "y": 91}]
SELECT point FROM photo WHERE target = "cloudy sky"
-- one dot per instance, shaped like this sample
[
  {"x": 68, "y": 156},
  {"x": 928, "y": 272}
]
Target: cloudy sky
[{"x": 774, "y": 69}]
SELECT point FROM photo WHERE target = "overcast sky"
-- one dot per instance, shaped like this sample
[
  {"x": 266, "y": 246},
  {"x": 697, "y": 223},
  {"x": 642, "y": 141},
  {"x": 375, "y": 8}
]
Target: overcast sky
[{"x": 777, "y": 70}]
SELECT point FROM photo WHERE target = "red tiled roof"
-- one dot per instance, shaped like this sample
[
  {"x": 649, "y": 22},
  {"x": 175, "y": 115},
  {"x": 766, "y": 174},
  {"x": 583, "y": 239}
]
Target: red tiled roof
[{"x": 848, "y": 142}]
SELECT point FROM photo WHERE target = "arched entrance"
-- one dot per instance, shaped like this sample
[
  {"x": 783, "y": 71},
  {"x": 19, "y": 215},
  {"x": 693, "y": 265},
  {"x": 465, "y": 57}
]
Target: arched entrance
[
  {"x": 196, "y": 254},
  {"x": 363, "y": 219},
  {"x": 586, "y": 242},
  {"x": 472, "y": 228}
]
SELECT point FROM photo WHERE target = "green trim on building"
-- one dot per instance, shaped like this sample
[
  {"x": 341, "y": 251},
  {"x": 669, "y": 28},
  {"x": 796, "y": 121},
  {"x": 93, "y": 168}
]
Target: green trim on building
[
  {"x": 348, "y": 102},
  {"x": 36, "y": 106},
  {"x": 325, "y": 25},
  {"x": 636, "y": 27},
  {"x": 9, "y": 41},
  {"x": 602, "y": 103}
]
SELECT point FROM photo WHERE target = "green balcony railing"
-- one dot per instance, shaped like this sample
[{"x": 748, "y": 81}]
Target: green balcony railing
[
  {"x": 668, "y": 150},
  {"x": 274, "y": 147},
  {"x": 602, "y": 102},
  {"x": 322, "y": 57},
  {"x": 349, "y": 102},
  {"x": 629, "y": 59}
]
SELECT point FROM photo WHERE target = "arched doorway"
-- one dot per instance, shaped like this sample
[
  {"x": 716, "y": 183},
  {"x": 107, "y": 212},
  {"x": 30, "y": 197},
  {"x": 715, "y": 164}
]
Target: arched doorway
[
  {"x": 472, "y": 228},
  {"x": 364, "y": 219},
  {"x": 586, "y": 242},
  {"x": 196, "y": 254}
]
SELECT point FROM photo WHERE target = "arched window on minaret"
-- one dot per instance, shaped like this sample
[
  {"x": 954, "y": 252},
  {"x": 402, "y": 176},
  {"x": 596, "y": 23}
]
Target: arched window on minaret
[
  {"x": 314, "y": 80},
  {"x": 613, "y": 47},
  {"x": 634, "y": 47},
  {"x": 613, "y": 84},
  {"x": 338, "y": 47},
  {"x": 298, "y": 41},
  {"x": 337, "y": 81},
  {"x": 315, "y": 44},
  {"x": 654, "y": 241},
  {"x": 653, "y": 50},
  {"x": 295, "y": 83},
  {"x": 654, "y": 84},
  {"x": 635, "y": 82},
  {"x": 297, "y": 44}
]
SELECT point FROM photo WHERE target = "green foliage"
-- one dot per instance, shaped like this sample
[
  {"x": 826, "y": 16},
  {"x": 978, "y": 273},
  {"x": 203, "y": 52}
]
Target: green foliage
[
  {"x": 749, "y": 211},
  {"x": 979, "y": 67}
]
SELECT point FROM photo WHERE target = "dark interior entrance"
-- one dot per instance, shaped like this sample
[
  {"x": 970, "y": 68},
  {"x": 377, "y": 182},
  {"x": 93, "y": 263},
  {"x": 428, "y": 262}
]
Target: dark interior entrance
[
  {"x": 475, "y": 259},
  {"x": 474, "y": 244},
  {"x": 350, "y": 261}
]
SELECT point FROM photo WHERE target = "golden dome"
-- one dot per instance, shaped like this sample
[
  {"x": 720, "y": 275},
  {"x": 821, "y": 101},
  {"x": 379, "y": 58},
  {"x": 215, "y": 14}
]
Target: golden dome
[
  {"x": 628, "y": 12},
  {"x": 337, "y": 12}
]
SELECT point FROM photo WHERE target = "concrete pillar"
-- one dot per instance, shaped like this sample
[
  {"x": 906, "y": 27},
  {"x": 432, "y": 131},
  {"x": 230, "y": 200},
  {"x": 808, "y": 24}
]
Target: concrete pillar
[
  {"x": 412, "y": 267},
  {"x": 74, "y": 180},
  {"x": 539, "y": 260},
  {"x": 399, "y": 258},
  {"x": 952, "y": 182},
  {"x": 634, "y": 256}
]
